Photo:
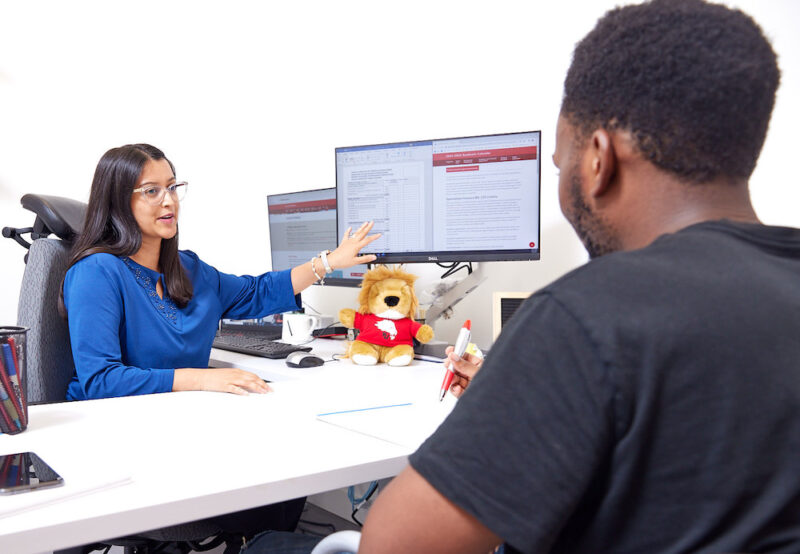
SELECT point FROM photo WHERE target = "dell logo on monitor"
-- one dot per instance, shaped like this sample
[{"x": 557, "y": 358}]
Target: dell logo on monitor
[{"x": 433, "y": 259}]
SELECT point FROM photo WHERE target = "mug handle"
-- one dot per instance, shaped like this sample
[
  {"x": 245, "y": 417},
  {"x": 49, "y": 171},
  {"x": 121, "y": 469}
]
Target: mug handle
[{"x": 315, "y": 322}]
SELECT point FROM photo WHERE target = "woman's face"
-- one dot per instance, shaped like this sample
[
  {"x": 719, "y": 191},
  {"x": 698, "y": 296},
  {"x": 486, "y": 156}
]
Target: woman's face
[{"x": 156, "y": 221}]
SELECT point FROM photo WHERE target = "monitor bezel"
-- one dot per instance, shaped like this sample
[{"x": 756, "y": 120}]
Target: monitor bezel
[
  {"x": 448, "y": 256},
  {"x": 329, "y": 281}
]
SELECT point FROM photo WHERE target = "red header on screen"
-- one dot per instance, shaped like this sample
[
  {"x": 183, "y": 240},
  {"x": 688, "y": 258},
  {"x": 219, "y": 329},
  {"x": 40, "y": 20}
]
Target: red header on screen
[
  {"x": 485, "y": 156},
  {"x": 310, "y": 206}
]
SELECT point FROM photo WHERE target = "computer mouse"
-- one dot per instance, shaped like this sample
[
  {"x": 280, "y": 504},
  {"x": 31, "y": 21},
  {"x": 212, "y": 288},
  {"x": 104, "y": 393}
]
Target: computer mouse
[{"x": 303, "y": 359}]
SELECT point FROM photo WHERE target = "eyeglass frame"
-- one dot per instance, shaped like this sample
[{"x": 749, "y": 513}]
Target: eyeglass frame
[{"x": 173, "y": 192}]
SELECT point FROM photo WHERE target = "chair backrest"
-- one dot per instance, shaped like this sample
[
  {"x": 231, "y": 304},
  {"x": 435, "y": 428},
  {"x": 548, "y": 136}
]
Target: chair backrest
[{"x": 49, "y": 356}]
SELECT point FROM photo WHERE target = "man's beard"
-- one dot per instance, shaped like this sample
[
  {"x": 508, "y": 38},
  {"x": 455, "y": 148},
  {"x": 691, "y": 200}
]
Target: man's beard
[{"x": 595, "y": 233}]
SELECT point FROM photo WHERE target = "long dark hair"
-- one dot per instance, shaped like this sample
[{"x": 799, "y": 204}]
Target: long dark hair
[{"x": 110, "y": 226}]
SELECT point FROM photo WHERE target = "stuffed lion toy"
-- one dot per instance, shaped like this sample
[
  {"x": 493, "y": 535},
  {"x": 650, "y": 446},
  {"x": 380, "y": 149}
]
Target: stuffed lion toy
[{"x": 387, "y": 305}]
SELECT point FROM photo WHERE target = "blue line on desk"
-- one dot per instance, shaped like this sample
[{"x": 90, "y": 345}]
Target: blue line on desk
[{"x": 366, "y": 409}]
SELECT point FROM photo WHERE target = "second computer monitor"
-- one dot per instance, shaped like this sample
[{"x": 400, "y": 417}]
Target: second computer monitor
[
  {"x": 444, "y": 200},
  {"x": 301, "y": 224}
]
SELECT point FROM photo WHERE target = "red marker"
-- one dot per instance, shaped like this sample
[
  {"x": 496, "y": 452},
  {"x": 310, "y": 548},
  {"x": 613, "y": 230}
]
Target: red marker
[{"x": 461, "y": 346}]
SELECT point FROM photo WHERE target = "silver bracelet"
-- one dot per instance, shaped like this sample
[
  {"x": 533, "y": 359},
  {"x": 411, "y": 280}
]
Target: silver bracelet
[
  {"x": 320, "y": 279},
  {"x": 324, "y": 256}
]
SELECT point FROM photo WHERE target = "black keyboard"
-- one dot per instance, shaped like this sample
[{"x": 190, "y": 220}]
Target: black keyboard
[{"x": 256, "y": 346}]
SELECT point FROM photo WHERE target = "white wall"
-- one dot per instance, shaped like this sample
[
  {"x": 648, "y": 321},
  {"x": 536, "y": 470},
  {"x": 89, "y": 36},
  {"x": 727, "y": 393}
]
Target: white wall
[{"x": 250, "y": 98}]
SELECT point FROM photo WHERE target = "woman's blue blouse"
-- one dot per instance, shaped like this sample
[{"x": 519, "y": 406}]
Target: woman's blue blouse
[{"x": 127, "y": 340}]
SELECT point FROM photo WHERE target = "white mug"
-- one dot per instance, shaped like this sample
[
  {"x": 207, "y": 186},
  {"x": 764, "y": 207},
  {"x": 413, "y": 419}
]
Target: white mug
[{"x": 298, "y": 328}]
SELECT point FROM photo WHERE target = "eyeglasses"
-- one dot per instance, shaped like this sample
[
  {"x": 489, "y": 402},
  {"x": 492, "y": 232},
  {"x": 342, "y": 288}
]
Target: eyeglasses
[{"x": 153, "y": 194}]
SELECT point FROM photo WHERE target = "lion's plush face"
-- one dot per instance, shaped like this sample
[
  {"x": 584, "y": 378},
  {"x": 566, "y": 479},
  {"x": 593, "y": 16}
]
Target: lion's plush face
[
  {"x": 388, "y": 293},
  {"x": 391, "y": 299}
]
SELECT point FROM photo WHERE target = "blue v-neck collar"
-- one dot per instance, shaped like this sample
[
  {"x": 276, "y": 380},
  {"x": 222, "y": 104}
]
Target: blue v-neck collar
[{"x": 147, "y": 279}]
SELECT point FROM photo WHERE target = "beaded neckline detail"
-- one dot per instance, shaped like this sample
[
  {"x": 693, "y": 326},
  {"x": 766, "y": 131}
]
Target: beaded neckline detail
[{"x": 165, "y": 306}]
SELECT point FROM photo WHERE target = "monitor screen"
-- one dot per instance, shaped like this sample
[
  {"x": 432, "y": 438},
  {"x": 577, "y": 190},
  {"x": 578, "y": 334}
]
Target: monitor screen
[
  {"x": 444, "y": 200},
  {"x": 301, "y": 224}
]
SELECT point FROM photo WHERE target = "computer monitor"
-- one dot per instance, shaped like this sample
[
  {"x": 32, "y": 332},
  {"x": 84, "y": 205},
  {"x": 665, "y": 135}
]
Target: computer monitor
[
  {"x": 444, "y": 200},
  {"x": 301, "y": 224}
]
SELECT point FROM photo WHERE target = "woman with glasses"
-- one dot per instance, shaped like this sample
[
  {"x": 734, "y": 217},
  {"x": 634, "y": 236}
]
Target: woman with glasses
[{"x": 142, "y": 315}]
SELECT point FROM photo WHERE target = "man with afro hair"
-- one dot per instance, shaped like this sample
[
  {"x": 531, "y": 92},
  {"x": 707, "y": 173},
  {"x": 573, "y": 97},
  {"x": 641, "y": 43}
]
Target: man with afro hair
[{"x": 649, "y": 401}]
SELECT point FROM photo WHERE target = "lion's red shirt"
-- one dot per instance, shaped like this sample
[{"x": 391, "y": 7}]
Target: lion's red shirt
[{"x": 386, "y": 332}]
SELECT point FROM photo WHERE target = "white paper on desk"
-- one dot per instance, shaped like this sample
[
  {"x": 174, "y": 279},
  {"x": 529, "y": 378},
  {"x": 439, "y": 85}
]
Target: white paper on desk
[
  {"x": 14, "y": 504},
  {"x": 404, "y": 424}
]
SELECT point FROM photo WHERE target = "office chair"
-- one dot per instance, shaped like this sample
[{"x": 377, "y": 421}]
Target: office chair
[
  {"x": 49, "y": 361},
  {"x": 49, "y": 357}
]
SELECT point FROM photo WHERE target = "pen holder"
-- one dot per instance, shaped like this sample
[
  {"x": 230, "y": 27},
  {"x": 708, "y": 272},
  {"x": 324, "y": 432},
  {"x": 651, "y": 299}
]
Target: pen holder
[{"x": 13, "y": 380}]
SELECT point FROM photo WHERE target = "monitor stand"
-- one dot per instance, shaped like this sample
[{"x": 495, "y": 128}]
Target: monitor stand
[{"x": 443, "y": 305}]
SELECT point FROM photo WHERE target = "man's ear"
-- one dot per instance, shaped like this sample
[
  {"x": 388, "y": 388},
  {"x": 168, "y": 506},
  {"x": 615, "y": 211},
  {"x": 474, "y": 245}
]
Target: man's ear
[{"x": 603, "y": 161}]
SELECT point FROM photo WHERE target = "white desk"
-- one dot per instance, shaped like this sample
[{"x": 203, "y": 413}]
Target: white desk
[{"x": 195, "y": 454}]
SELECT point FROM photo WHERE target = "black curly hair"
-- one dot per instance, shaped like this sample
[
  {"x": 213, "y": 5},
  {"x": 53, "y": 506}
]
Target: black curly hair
[{"x": 693, "y": 82}]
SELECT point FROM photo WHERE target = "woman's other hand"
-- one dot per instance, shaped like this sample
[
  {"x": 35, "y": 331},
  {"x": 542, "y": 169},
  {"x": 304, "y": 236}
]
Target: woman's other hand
[
  {"x": 220, "y": 379},
  {"x": 464, "y": 368},
  {"x": 346, "y": 255}
]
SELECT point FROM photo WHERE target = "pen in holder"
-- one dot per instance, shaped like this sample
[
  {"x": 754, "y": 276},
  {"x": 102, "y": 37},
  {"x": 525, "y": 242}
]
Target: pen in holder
[{"x": 13, "y": 380}]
